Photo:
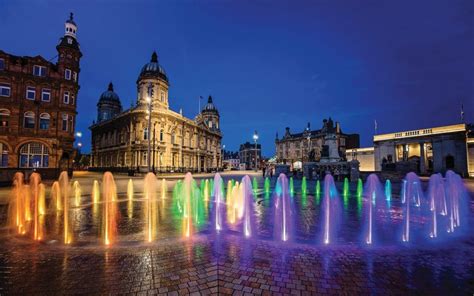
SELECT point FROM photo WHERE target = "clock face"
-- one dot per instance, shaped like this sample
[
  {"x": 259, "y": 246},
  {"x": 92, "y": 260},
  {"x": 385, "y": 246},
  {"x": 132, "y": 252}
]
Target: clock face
[{"x": 69, "y": 41}]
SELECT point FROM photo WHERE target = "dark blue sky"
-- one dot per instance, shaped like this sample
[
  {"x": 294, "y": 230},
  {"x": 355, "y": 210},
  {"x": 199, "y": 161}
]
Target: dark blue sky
[{"x": 270, "y": 64}]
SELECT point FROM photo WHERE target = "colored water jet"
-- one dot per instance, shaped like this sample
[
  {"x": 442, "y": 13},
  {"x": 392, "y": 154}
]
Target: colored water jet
[
  {"x": 304, "y": 186},
  {"x": 345, "y": 189},
  {"x": 374, "y": 197},
  {"x": 35, "y": 182},
  {"x": 219, "y": 204},
  {"x": 64, "y": 199},
  {"x": 150, "y": 207},
  {"x": 248, "y": 223},
  {"x": 331, "y": 211},
  {"x": 16, "y": 210},
  {"x": 255, "y": 186},
  {"x": 266, "y": 186},
  {"x": 411, "y": 194},
  {"x": 388, "y": 190},
  {"x": 109, "y": 209},
  {"x": 76, "y": 188},
  {"x": 95, "y": 192},
  {"x": 56, "y": 202},
  {"x": 283, "y": 211}
]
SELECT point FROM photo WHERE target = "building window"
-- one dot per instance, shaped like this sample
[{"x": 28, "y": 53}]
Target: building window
[
  {"x": 162, "y": 96},
  {"x": 161, "y": 135},
  {"x": 74, "y": 76},
  {"x": 39, "y": 70},
  {"x": 2, "y": 64},
  {"x": 65, "y": 122},
  {"x": 4, "y": 117},
  {"x": 145, "y": 133},
  {"x": 29, "y": 120},
  {"x": 172, "y": 138},
  {"x": 3, "y": 155},
  {"x": 30, "y": 93},
  {"x": 44, "y": 121},
  {"x": 72, "y": 99},
  {"x": 5, "y": 90},
  {"x": 144, "y": 153},
  {"x": 34, "y": 155},
  {"x": 67, "y": 74},
  {"x": 46, "y": 95},
  {"x": 66, "y": 97}
]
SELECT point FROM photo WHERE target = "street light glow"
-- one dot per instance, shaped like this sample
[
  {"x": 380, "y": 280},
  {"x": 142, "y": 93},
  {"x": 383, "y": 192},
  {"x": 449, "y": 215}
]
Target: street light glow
[
  {"x": 255, "y": 136},
  {"x": 79, "y": 134}
]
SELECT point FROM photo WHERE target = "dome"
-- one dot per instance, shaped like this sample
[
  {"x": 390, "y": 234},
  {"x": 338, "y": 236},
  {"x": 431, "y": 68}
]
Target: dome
[
  {"x": 109, "y": 95},
  {"x": 153, "y": 69},
  {"x": 210, "y": 107}
]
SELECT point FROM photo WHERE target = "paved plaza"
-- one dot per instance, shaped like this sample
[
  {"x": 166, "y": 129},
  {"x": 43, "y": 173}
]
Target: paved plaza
[{"x": 227, "y": 263}]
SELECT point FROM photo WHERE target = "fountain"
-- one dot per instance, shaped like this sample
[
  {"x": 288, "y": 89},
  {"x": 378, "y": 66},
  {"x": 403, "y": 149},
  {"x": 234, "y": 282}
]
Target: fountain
[
  {"x": 374, "y": 197},
  {"x": 95, "y": 192},
  {"x": 283, "y": 211},
  {"x": 411, "y": 193},
  {"x": 150, "y": 207},
  {"x": 266, "y": 186},
  {"x": 388, "y": 190},
  {"x": 38, "y": 199},
  {"x": 248, "y": 223},
  {"x": 109, "y": 209},
  {"x": 255, "y": 186},
  {"x": 17, "y": 205},
  {"x": 56, "y": 203},
  {"x": 437, "y": 200},
  {"x": 443, "y": 212},
  {"x": 303, "y": 186},
  {"x": 457, "y": 200},
  {"x": 331, "y": 211},
  {"x": 219, "y": 204},
  {"x": 345, "y": 188}
]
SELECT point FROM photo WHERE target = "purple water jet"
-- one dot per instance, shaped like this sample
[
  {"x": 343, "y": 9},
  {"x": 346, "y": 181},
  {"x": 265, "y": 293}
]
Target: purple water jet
[
  {"x": 283, "y": 211},
  {"x": 331, "y": 210}
]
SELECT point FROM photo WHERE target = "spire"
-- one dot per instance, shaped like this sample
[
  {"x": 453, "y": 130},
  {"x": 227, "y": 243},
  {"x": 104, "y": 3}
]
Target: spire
[
  {"x": 70, "y": 26},
  {"x": 154, "y": 57},
  {"x": 111, "y": 86},
  {"x": 71, "y": 16},
  {"x": 209, "y": 100}
]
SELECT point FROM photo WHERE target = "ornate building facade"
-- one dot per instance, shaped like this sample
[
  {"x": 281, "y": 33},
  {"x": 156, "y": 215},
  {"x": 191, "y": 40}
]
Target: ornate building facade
[
  {"x": 38, "y": 100},
  {"x": 310, "y": 145},
  {"x": 170, "y": 142}
]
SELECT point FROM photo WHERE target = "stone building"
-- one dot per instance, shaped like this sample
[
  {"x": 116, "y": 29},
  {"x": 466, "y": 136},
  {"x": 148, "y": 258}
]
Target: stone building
[
  {"x": 424, "y": 151},
  {"x": 121, "y": 139},
  {"x": 312, "y": 145},
  {"x": 38, "y": 100},
  {"x": 247, "y": 155}
]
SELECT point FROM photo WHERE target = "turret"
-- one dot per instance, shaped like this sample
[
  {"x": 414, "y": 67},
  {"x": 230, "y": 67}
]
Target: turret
[
  {"x": 210, "y": 115},
  {"x": 153, "y": 83},
  {"x": 69, "y": 53}
]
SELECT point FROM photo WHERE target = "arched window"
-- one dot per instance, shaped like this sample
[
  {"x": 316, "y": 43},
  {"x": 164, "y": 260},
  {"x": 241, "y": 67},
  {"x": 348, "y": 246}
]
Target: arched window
[
  {"x": 34, "y": 155},
  {"x": 3, "y": 155},
  {"x": 172, "y": 138},
  {"x": 145, "y": 133},
  {"x": 161, "y": 135},
  {"x": 4, "y": 117},
  {"x": 44, "y": 121},
  {"x": 29, "y": 120}
]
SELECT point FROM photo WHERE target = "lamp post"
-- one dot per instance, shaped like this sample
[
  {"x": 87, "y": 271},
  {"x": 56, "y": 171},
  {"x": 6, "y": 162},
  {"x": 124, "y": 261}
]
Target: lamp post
[
  {"x": 222, "y": 157},
  {"x": 149, "y": 101},
  {"x": 255, "y": 138}
]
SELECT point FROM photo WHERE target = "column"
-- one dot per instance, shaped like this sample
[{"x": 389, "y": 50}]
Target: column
[{"x": 422, "y": 158}]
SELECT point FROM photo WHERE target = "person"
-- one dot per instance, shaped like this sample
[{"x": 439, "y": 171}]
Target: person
[
  {"x": 271, "y": 172},
  {"x": 263, "y": 170}
]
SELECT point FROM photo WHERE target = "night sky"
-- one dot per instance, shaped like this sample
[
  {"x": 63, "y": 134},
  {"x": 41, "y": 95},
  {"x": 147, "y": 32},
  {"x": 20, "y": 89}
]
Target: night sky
[{"x": 270, "y": 64}]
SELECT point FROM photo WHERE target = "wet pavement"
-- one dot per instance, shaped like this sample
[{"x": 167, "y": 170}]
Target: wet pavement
[{"x": 227, "y": 263}]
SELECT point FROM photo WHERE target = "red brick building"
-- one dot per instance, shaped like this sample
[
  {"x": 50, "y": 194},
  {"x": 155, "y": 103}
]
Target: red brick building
[{"x": 38, "y": 100}]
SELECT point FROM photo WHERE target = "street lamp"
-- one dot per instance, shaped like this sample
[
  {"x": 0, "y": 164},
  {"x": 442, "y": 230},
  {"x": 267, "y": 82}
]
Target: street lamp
[
  {"x": 222, "y": 156},
  {"x": 255, "y": 138}
]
